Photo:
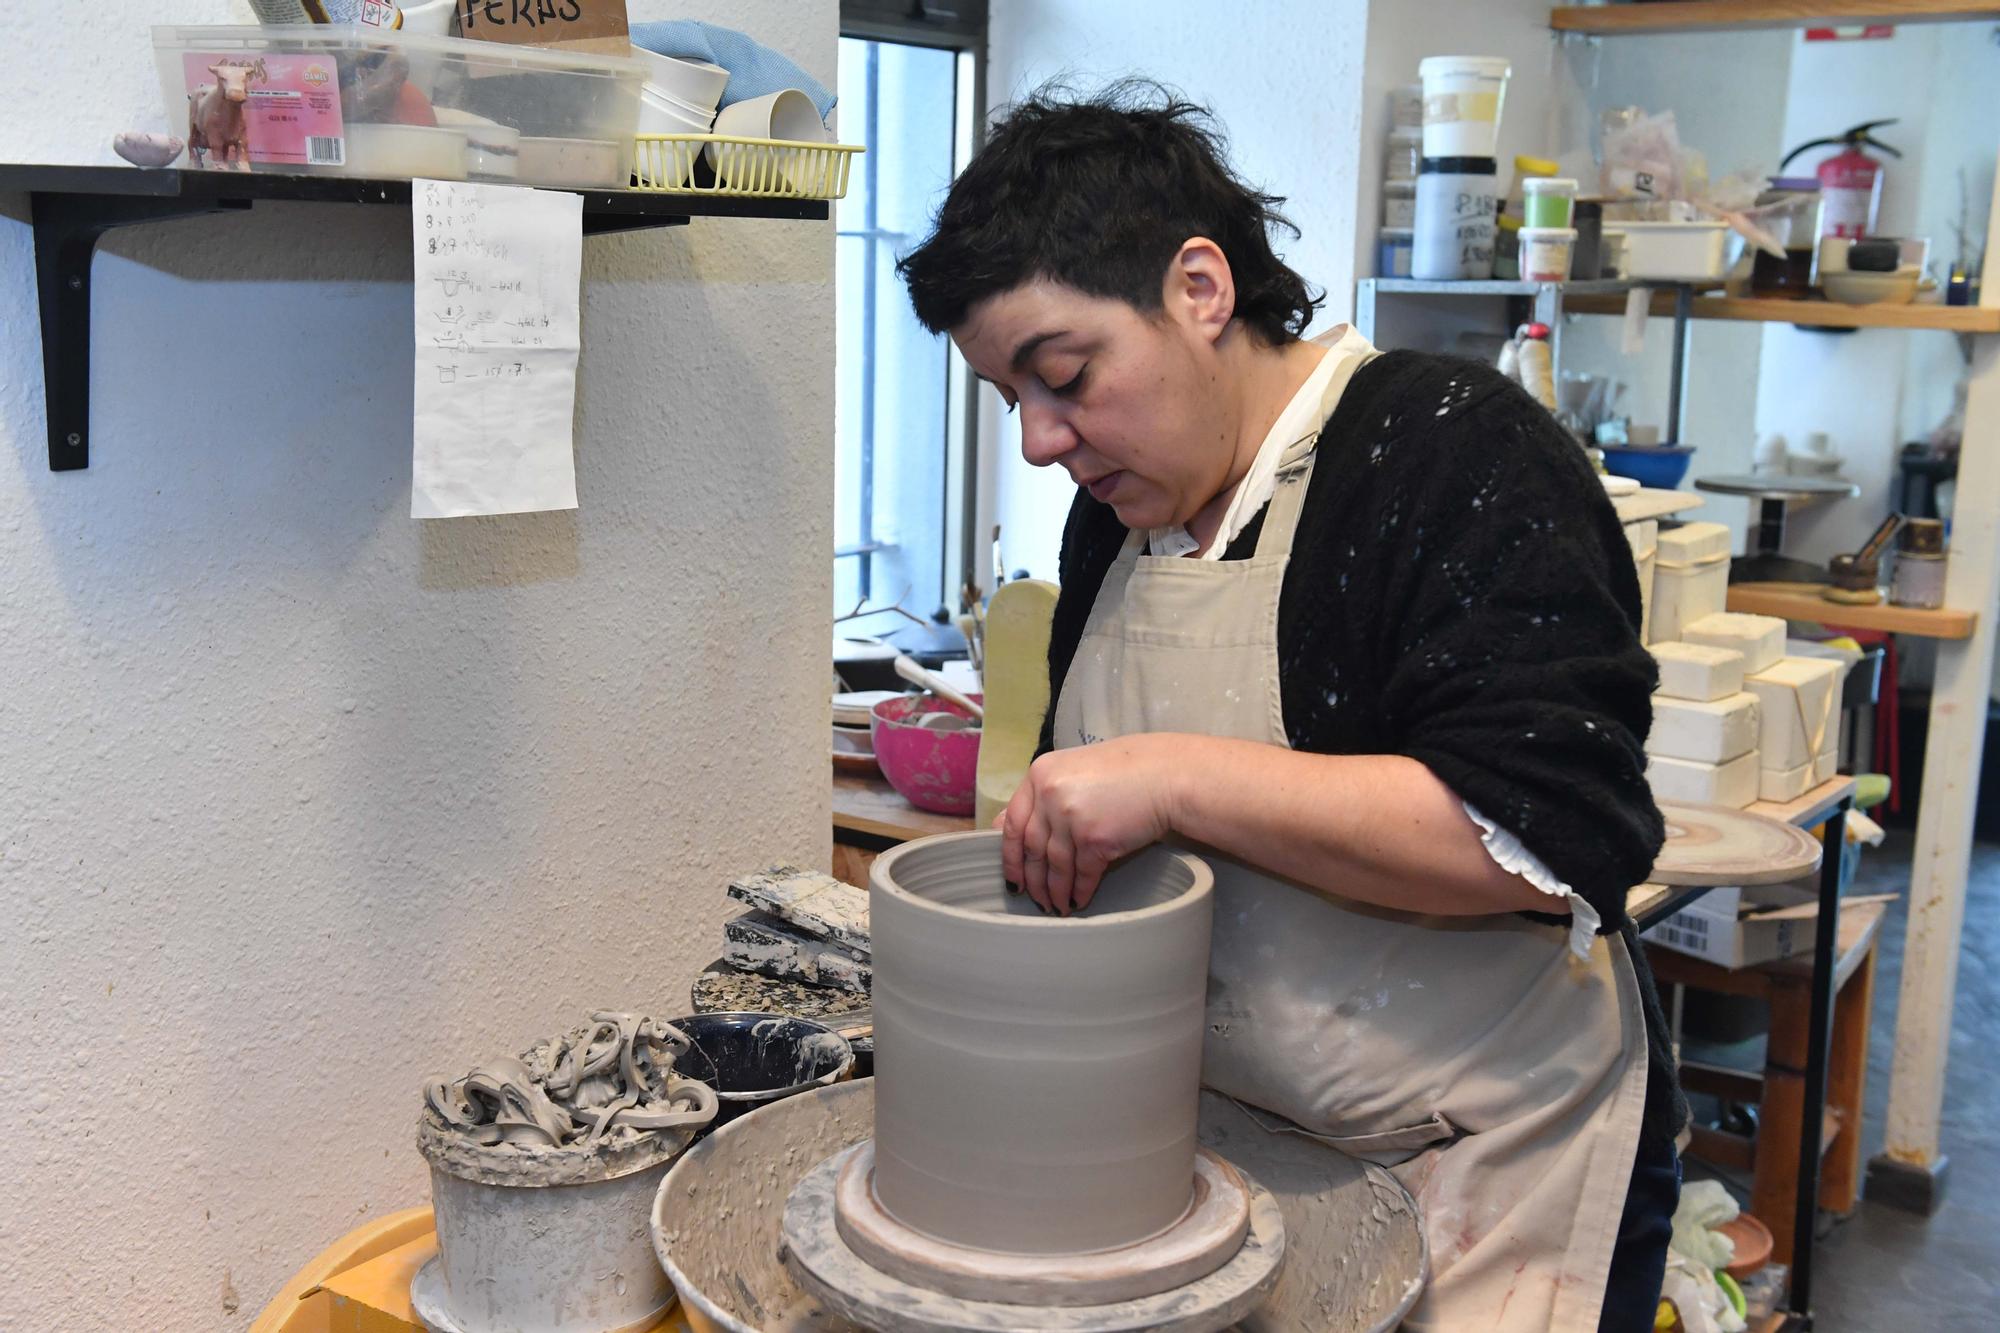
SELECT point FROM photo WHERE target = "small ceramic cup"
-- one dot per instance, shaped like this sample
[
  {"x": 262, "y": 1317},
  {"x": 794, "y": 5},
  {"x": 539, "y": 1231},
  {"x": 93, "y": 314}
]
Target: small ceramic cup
[{"x": 789, "y": 115}]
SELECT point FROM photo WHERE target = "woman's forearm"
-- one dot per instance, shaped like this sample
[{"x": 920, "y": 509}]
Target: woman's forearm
[{"x": 1380, "y": 829}]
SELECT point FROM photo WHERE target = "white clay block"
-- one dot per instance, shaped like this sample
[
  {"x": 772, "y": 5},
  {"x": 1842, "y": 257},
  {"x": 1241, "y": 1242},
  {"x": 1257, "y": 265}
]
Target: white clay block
[
  {"x": 1798, "y": 702},
  {"x": 1784, "y": 785},
  {"x": 1683, "y": 594},
  {"x": 816, "y": 903},
  {"x": 1826, "y": 767},
  {"x": 1694, "y": 544},
  {"x": 1733, "y": 784},
  {"x": 1697, "y": 671},
  {"x": 1711, "y": 732},
  {"x": 1644, "y": 538},
  {"x": 1761, "y": 639}
]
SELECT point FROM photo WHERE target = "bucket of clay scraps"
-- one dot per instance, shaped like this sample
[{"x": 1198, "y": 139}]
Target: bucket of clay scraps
[
  {"x": 755, "y": 1059},
  {"x": 558, "y": 1241}
]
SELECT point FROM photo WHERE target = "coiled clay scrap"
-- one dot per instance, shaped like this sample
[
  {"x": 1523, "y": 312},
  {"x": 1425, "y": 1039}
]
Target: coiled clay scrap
[{"x": 607, "y": 1083}]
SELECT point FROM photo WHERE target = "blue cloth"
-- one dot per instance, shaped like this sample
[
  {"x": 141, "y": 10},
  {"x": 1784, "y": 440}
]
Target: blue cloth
[{"x": 754, "y": 69}]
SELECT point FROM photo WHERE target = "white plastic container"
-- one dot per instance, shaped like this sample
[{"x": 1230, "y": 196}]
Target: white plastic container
[
  {"x": 1545, "y": 253},
  {"x": 432, "y": 152},
  {"x": 1672, "y": 251},
  {"x": 1399, "y": 204},
  {"x": 1548, "y": 201},
  {"x": 1462, "y": 97},
  {"x": 1392, "y": 257},
  {"x": 1456, "y": 221},
  {"x": 1406, "y": 154},
  {"x": 335, "y": 100}
]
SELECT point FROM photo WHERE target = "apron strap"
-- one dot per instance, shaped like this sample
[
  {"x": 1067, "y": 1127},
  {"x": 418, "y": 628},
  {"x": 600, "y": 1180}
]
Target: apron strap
[{"x": 1295, "y": 467}]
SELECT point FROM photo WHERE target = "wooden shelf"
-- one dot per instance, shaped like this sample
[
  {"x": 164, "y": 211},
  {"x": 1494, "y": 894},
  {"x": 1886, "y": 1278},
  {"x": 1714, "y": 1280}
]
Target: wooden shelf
[
  {"x": 1817, "y": 314},
  {"x": 1750, "y": 15},
  {"x": 867, "y": 804},
  {"x": 1801, "y": 601}
]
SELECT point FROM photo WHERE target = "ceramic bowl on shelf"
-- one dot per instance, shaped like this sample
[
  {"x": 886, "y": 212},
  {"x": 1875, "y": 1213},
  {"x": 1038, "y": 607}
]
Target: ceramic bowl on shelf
[
  {"x": 1655, "y": 466},
  {"x": 1898, "y": 288},
  {"x": 695, "y": 82},
  {"x": 854, "y": 749}
]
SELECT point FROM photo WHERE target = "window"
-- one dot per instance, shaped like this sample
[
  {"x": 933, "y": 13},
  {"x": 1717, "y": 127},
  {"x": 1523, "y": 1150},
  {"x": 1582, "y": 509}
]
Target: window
[{"x": 908, "y": 89}]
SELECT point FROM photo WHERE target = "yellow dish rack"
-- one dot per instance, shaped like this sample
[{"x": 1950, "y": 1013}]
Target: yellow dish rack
[{"x": 744, "y": 168}]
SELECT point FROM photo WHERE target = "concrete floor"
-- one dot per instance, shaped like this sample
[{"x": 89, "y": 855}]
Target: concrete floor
[{"x": 1884, "y": 1269}]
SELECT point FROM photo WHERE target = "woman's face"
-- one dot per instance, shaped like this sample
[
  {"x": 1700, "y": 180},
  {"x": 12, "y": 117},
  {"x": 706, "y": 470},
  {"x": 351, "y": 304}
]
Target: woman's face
[{"x": 1129, "y": 403}]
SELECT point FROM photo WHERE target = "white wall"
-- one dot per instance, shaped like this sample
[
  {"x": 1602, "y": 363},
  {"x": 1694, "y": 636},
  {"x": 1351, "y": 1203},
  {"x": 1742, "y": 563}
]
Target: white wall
[
  {"x": 1283, "y": 79},
  {"x": 302, "y": 801}
]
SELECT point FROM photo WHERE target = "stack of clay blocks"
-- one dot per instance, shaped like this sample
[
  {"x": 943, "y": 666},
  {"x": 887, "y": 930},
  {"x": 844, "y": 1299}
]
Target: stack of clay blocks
[
  {"x": 804, "y": 926},
  {"x": 1690, "y": 578},
  {"x": 1705, "y": 745}
]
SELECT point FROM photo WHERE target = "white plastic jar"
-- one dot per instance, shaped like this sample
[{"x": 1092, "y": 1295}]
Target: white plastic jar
[{"x": 1462, "y": 98}]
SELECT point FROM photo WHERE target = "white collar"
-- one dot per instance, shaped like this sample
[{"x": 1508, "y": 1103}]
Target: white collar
[{"x": 1301, "y": 417}]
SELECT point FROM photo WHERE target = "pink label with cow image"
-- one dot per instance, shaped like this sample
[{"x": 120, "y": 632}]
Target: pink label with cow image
[{"x": 267, "y": 110}]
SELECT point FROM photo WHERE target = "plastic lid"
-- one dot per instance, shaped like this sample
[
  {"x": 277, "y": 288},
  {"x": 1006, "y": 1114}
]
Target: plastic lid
[
  {"x": 1398, "y": 234},
  {"x": 1407, "y": 134},
  {"x": 1508, "y": 222},
  {"x": 1496, "y": 67},
  {"x": 1547, "y": 184},
  {"x": 1548, "y": 234},
  {"x": 1536, "y": 330},
  {"x": 1458, "y": 166},
  {"x": 1536, "y": 166}
]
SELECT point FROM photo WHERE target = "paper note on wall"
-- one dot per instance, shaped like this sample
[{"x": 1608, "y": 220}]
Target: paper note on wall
[{"x": 498, "y": 269}]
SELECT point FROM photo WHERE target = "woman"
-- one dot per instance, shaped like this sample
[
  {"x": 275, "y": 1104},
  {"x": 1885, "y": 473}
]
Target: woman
[{"x": 1364, "y": 627}]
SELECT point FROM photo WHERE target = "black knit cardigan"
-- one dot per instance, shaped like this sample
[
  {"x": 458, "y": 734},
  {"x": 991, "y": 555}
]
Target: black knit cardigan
[{"x": 1460, "y": 592}]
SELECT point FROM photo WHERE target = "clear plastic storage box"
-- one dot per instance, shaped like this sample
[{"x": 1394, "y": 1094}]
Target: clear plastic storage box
[{"x": 357, "y": 101}]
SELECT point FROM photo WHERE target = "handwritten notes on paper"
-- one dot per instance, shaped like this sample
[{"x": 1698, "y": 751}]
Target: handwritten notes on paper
[{"x": 498, "y": 271}]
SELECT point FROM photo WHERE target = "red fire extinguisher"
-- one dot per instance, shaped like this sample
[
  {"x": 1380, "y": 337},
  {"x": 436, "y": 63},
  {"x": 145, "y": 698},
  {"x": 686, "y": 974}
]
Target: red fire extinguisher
[{"x": 1850, "y": 182}]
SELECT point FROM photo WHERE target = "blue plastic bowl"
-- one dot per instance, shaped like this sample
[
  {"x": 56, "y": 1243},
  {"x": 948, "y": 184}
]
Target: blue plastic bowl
[{"x": 1659, "y": 466}]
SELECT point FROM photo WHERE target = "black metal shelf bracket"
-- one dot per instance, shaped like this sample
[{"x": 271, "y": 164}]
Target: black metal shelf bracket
[{"x": 66, "y": 230}]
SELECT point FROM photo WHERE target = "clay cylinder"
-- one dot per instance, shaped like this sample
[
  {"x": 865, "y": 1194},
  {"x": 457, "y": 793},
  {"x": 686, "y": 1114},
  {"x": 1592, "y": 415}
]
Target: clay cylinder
[{"x": 1037, "y": 1077}]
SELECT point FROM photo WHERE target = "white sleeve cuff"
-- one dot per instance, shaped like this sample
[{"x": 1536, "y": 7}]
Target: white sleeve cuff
[{"x": 1507, "y": 851}]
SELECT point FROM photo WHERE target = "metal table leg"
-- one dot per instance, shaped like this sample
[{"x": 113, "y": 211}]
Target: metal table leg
[{"x": 1820, "y": 1039}]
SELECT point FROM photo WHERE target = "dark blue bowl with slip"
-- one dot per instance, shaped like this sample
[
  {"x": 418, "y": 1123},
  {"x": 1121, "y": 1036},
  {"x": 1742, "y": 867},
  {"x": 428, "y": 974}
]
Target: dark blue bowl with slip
[{"x": 1656, "y": 466}]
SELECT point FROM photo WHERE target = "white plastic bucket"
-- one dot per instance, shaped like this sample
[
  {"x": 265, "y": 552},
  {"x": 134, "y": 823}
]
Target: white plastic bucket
[
  {"x": 1456, "y": 220},
  {"x": 1545, "y": 253},
  {"x": 1462, "y": 96}
]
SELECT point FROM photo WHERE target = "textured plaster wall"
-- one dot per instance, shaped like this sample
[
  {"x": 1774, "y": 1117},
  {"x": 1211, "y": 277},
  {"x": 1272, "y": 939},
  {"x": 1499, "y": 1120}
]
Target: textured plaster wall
[
  {"x": 1283, "y": 77},
  {"x": 301, "y": 800}
]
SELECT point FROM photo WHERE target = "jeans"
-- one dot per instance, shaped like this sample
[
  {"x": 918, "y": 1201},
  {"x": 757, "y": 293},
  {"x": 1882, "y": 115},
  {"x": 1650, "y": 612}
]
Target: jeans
[{"x": 1639, "y": 1259}]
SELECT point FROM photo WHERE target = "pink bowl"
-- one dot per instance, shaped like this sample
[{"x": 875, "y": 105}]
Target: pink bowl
[{"x": 933, "y": 770}]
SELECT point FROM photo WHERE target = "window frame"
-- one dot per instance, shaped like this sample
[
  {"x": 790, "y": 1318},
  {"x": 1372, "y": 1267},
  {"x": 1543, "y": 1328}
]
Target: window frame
[{"x": 959, "y": 26}]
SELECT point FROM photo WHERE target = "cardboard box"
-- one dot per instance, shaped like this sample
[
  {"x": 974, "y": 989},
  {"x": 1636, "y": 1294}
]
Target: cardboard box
[
  {"x": 1694, "y": 543},
  {"x": 1712, "y": 731},
  {"x": 1785, "y": 784},
  {"x": 1697, "y": 671},
  {"x": 1721, "y": 928},
  {"x": 1761, "y": 639},
  {"x": 1798, "y": 708},
  {"x": 1690, "y": 782},
  {"x": 1683, "y": 594}
]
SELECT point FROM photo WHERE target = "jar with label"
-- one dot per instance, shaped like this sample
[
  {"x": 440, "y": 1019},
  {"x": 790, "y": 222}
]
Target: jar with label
[
  {"x": 1392, "y": 259},
  {"x": 1456, "y": 221},
  {"x": 1790, "y": 211},
  {"x": 1920, "y": 565}
]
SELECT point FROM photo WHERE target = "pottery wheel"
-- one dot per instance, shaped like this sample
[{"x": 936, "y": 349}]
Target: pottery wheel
[
  {"x": 1212, "y": 1229},
  {"x": 824, "y": 1262},
  {"x": 1710, "y": 846}
]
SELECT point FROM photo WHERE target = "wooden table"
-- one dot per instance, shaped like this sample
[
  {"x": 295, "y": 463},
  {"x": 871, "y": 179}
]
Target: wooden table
[
  {"x": 1779, "y": 1093},
  {"x": 869, "y": 817}
]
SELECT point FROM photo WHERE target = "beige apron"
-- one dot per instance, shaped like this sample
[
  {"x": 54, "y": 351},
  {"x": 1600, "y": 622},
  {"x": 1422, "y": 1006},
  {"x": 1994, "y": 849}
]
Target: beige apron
[{"x": 1499, "y": 1075}]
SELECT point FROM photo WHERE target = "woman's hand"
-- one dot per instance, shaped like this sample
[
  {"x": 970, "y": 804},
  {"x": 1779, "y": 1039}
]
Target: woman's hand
[{"x": 1080, "y": 810}]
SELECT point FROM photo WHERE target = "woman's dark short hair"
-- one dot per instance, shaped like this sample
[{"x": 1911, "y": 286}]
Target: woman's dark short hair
[{"x": 1099, "y": 193}]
